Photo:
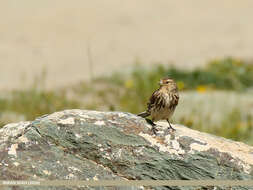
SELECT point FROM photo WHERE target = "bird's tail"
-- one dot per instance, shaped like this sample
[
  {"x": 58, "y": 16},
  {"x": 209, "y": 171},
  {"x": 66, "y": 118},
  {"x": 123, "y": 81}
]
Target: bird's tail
[{"x": 144, "y": 114}]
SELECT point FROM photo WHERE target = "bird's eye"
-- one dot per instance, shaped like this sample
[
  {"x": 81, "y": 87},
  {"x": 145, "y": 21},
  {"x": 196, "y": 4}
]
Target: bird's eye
[{"x": 167, "y": 82}]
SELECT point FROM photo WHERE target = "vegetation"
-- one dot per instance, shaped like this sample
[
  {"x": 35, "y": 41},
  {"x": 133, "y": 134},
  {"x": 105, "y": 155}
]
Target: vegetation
[
  {"x": 33, "y": 102},
  {"x": 216, "y": 99}
]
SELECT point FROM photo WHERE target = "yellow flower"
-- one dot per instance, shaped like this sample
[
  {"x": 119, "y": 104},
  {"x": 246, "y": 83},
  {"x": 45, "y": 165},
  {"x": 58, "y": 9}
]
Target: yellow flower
[
  {"x": 236, "y": 62},
  {"x": 201, "y": 89},
  {"x": 129, "y": 83},
  {"x": 180, "y": 85},
  {"x": 241, "y": 125}
]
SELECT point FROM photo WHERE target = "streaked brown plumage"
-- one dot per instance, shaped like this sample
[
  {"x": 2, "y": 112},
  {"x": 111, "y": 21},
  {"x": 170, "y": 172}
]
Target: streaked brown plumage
[{"x": 162, "y": 103}]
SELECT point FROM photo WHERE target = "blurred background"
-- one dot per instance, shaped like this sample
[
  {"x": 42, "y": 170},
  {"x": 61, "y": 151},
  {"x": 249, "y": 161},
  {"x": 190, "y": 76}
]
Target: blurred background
[{"x": 109, "y": 55}]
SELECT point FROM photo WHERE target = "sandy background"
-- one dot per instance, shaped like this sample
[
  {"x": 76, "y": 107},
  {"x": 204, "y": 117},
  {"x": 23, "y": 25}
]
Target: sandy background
[{"x": 58, "y": 34}]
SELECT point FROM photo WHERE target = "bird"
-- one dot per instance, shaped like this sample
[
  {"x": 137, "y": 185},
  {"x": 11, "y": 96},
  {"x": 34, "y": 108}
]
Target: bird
[{"x": 162, "y": 103}]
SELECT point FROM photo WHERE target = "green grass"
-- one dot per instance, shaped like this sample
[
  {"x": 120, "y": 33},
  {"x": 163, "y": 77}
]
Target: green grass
[
  {"x": 33, "y": 102},
  {"x": 216, "y": 98},
  {"x": 228, "y": 74}
]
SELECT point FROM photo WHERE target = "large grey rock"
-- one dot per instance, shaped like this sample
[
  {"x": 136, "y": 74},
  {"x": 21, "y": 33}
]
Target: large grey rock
[{"x": 88, "y": 145}]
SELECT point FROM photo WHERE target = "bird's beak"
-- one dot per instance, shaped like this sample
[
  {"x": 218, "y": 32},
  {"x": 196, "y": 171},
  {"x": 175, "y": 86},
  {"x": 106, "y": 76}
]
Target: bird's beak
[{"x": 160, "y": 82}]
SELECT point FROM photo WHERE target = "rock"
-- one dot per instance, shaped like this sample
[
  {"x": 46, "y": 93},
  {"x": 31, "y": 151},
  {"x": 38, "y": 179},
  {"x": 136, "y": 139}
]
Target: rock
[{"x": 92, "y": 145}]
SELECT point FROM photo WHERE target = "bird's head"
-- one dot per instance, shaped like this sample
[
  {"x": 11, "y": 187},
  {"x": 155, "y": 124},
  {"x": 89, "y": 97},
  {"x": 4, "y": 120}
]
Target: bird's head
[{"x": 168, "y": 83}]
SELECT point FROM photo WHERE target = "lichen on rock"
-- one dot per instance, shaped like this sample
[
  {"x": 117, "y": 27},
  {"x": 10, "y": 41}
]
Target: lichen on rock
[{"x": 88, "y": 145}]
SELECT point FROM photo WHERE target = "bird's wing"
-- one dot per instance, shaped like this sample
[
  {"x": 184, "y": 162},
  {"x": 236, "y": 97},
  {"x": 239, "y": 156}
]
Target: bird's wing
[
  {"x": 156, "y": 100},
  {"x": 174, "y": 99}
]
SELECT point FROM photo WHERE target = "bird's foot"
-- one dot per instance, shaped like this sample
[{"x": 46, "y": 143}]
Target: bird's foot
[
  {"x": 154, "y": 130},
  {"x": 171, "y": 128},
  {"x": 169, "y": 131}
]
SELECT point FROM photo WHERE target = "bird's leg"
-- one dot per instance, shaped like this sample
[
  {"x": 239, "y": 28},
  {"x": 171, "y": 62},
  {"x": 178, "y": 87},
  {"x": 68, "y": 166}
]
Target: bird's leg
[
  {"x": 153, "y": 129},
  {"x": 170, "y": 127}
]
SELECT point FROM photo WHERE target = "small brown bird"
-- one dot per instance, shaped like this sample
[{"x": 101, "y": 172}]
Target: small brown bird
[{"x": 162, "y": 103}]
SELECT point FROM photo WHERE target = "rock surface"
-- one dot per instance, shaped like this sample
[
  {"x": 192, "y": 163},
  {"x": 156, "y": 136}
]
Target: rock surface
[{"x": 91, "y": 145}]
